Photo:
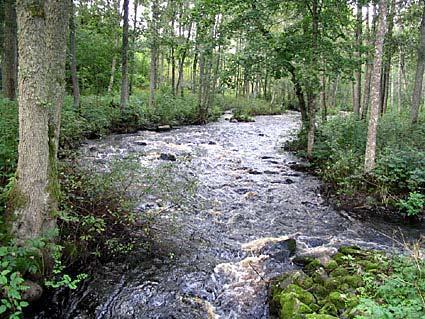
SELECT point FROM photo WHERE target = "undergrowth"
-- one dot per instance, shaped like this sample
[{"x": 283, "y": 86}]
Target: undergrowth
[{"x": 399, "y": 177}]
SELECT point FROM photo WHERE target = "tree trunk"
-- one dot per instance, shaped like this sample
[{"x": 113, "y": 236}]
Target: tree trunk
[
  {"x": 42, "y": 32},
  {"x": 73, "y": 53},
  {"x": 385, "y": 84},
  {"x": 133, "y": 47},
  {"x": 9, "y": 68},
  {"x": 358, "y": 54},
  {"x": 154, "y": 54},
  {"x": 323, "y": 102},
  {"x": 369, "y": 63},
  {"x": 116, "y": 43},
  {"x": 311, "y": 94},
  {"x": 180, "y": 90},
  {"x": 370, "y": 153},
  {"x": 420, "y": 67},
  {"x": 124, "y": 59}
]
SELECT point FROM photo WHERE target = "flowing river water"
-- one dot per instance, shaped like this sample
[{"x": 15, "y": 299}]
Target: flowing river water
[{"x": 213, "y": 255}]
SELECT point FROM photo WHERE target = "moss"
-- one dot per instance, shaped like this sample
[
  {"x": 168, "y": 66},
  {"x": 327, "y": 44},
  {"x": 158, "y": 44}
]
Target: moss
[
  {"x": 35, "y": 9},
  {"x": 16, "y": 199},
  {"x": 303, "y": 295},
  {"x": 329, "y": 309},
  {"x": 354, "y": 281},
  {"x": 340, "y": 271},
  {"x": 320, "y": 316},
  {"x": 332, "y": 264},
  {"x": 292, "y": 307},
  {"x": 313, "y": 265}
]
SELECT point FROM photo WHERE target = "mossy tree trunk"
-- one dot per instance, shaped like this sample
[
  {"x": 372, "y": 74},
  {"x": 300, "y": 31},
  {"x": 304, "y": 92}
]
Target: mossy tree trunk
[
  {"x": 42, "y": 32},
  {"x": 9, "y": 67}
]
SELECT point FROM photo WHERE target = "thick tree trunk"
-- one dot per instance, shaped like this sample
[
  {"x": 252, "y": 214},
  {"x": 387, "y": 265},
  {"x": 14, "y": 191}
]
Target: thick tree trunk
[
  {"x": 9, "y": 68},
  {"x": 154, "y": 54},
  {"x": 73, "y": 53},
  {"x": 124, "y": 59},
  {"x": 370, "y": 154},
  {"x": 42, "y": 36},
  {"x": 180, "y": 90},
  {"x": 420, "y": 68},
  {"x": 358, "y": 72}
]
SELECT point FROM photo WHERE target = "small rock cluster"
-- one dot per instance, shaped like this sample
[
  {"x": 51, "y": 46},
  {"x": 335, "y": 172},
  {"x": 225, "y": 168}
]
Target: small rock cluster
[{"x": 324, "y": 290}]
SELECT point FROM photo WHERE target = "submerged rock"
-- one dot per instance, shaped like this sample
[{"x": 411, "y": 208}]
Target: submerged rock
[{"x": 168, "y": 157}]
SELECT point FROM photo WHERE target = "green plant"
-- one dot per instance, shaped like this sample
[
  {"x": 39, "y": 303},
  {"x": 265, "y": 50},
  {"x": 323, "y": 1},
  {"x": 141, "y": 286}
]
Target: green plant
[
  {"x": 413, "y": 205},
  {"x": 400, "y": 295}
]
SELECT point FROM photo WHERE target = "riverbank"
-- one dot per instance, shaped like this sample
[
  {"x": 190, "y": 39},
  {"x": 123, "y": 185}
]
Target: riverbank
[{"x": 394, "y": 190}]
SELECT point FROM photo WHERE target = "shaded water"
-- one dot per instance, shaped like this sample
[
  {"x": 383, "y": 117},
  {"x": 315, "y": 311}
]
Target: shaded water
[{"x": 213, "y": 256}]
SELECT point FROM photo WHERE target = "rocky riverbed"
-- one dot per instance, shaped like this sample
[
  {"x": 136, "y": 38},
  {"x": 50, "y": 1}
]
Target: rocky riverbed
[{"x": 216, "y": 246}]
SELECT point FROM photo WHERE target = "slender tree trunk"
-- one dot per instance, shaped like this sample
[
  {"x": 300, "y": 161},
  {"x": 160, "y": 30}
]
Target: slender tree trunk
[
  {"x": 323, "y": 102},
  {"x": 9, "y": 68},
  {"x": 370, "y": 154},
  {"x": 42, "y": 32},
  {"x": 358, "y": 72},
  {"x": 124, "y": 59},
  {"x": 154, "y": 54},
  {"x": 300, "y": 96},
  {"x": 180, "y": 90},
  {"x": 420, "y": 68},
  {"x": 399, "y": 81},
  {"x": 133, "y": 47},
  {"x": 116, "y": 44},
  {"x": 387, "y": 59},
  {"x": 311, "y": 94},
  {"x": 73, "y": 53}
]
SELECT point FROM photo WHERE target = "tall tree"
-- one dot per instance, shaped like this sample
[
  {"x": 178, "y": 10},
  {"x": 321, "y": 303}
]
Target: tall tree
[
  {"x": 124, "y": 57},
  {"x": 358, "y": 72},
  {"x": 420, "y": 68},
  {"x": 73, "y": 55},
  {"x": 370, "y": 154},
  {"x": 42, "y": 32},
  {"x": 154, "y": 46},
  {"x": 9, "y": 69}
]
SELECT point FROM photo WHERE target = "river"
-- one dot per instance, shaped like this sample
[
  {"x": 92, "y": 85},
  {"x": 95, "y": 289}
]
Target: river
[{"x": 215, "y": 251}]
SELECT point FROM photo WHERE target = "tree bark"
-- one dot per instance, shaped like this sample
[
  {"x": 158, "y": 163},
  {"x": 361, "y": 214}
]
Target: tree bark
[
  {"x": 358, "y": 54},
  {"x": 370, "y": 59},
  {"x": 9, "y": 69},
  {"x": 73, "y": 52},
  {"x": 154, "y": 54},
  {"x": 133, "y": 47},
  {"x": 42, "y": 32},
  {"x": 311, "y": 94},
  {"x": 124, "y": 58},
  {"x": 370, "y": 154},
  {"x": 385, "y": 83},
  {"x": 420, "y": 68}
]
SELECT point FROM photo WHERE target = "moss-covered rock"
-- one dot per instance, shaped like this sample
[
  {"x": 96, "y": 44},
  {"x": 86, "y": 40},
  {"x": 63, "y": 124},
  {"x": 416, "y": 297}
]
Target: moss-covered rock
[{"x": 325, "y": 291}]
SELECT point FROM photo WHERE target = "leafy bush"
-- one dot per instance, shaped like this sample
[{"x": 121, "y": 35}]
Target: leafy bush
[
  {"x": 399, "y": 295},
  {"x": 339, "y": 156}
]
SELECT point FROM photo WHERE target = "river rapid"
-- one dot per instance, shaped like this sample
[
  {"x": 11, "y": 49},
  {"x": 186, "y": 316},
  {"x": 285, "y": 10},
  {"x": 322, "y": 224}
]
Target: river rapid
[{"x": 215, "y": 247}]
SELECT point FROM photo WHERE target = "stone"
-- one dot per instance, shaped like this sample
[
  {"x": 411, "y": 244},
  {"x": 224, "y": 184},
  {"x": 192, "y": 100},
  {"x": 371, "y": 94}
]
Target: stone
[
  {"x": 168, "y": 157},
  {"x": 33, "y": 292},
  {"x": 141, "y": 143},
  {"x": 163, "y": 128}
]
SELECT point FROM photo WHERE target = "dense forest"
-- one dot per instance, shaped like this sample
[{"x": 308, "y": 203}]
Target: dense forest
[{"x": 350, "y": 71}]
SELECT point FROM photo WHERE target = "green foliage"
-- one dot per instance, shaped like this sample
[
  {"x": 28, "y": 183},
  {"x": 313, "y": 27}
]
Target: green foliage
[
  {"x": 413, "y": 205},
  {"x": 400, "y": 170},
  {"x": 400, "y": 295}
]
